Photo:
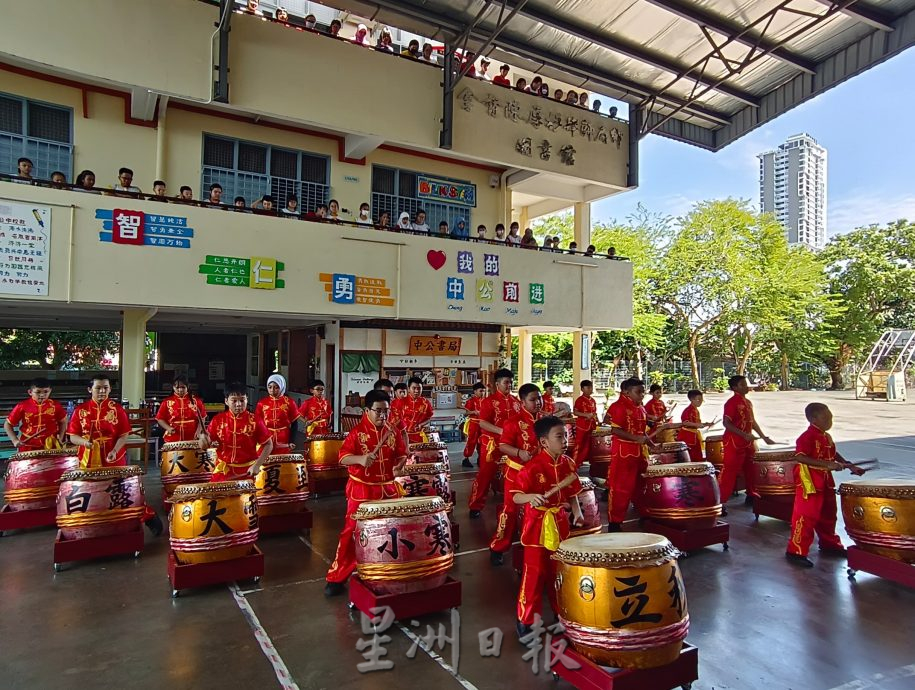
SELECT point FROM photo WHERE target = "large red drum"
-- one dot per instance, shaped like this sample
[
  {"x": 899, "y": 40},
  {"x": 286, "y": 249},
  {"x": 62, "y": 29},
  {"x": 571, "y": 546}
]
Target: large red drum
[
  {"x": 403, "y": 544},
  {"x": 432, "y": 452},
  {"x": 590, "y": 510},
  {"x": 425, "y": 479},
  {"x": 675, "y": 451},
  {"x": 100, "y": 502},
  {"x": 183, "y": 462},
  {"x": 683, "y": 495},
  {"x": 600, "y": 453},
  {"x": 570, "y": 430},
  {"x": 32, "y": 476},
  {"x": 775, "y": 474}
]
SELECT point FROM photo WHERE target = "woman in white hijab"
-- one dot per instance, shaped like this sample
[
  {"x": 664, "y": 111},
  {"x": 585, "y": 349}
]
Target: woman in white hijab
[
  {"x": 403, "y": 221},
  {"x": 278, "y": 412}
]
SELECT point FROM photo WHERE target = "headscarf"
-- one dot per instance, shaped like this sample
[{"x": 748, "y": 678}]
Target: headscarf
[
  {"x": 460, "y": 228},
  {"x": 279, "y": 381},
  {"x": 403, "y": 221}
]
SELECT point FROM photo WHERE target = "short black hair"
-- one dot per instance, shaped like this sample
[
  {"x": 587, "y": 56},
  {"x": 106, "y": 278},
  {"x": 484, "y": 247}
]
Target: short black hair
[
  {"x": 99, "y": 377},
  {"x": 479, "y": 386},
  {"x": 694, "y": 393},
  {"x": 25, "y": 160},
  {"x": 503, "y": 374},
  {"x": 324, "y": 206},
  {"x": 654, "y": 387},
  {"x": 39, "y": 383},
  {"x": 267, "y": 197},
  {"x": 316, "y": 382},
  {"x": 400, "y": 386},
  {"x": 420, "y": 210},
  {"x": 527, "y": 389},
  {"x": 544, "y": 425},
  {"x": 121, "y": 171},
  {"x": 239, "y": 198},
  {"x": 180, "y": 378},
  {"x": 548, "y": 384},
  {"x": 381, "y": 383},
  {"x": 159, "y": 182},
  {"x": 215, "y": 185},
  {"x": 813, "y": 409},
  {"x": 236, "y": 388},
  {"x": 291, "y": 197},
  {"x": 414, "y": 379},
  {"x": 58, "y": 172},
  {"x": 734, "y": 380},
  {"x": 185, "y": 187},
  {"x": 586, "y": 382},
  {"x": 631, "y": 383},
  {"x": 376, "y": 396}
]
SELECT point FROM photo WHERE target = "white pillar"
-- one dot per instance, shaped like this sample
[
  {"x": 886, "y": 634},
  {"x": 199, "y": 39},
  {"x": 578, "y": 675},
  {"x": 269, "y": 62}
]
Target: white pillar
[
  {"x": 133, "y": 353},
  {"x": 582, "y": 229},
  {"x": 525, "y": 357}
]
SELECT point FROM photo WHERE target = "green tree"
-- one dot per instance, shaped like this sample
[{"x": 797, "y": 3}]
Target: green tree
[{"x": 24, "y": 348}]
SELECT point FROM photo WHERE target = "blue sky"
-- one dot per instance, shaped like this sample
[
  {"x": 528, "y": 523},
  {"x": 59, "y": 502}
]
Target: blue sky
[{"x": 865, "y": 124}]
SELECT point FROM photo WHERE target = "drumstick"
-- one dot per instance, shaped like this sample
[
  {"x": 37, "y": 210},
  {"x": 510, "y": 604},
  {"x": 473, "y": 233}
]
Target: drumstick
[
  {"x": 871, "y": 464},
  {"x": 566, "y": 481}
]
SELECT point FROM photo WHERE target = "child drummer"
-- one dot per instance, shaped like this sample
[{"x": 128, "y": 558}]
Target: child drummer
[
  {"x": 181, "y": 414},
  {"x": 238, "y": 434},
  {"x": 655, "y": 409},
  {"x": 690, "y": 432},
  {"x": 42, "y": 421},
  {"x": 472, "y": 426},
  {"x": 316, "y": 411},
  {"x": 547, "y": 486},
  {"x": 278, "y": 412},
  {"x": 815, "y": 496}
]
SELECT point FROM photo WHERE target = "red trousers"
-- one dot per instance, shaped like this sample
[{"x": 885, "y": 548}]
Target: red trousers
[
  {"x": 695, "y": 452},
  {"x": 582, "y": 447},
  {"x": 816, "y": 513},
  {"x": 473, "y": 439},
  {"x": 737, "y": 460},
  {"x": 509, "y": 513},
  {"x": 539, "y": 574},
  {"x": 489, "y": 466},
  {"x": 345, "y": 560},
  {"x": 624, "y": 478}
]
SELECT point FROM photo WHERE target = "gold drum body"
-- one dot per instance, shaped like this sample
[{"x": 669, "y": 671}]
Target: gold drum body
[
  {"x": 282, "y": 484},
  {"x": 213, "y": 522},
  {"x": 621, "y": 598},
  {"x": 670, "y": 452},
  {"x": 714, "y": 450},
  {"x": 323, "y": 455},
  {"x": 183, "y": 462},
  {"x": 880, "y": 516}
]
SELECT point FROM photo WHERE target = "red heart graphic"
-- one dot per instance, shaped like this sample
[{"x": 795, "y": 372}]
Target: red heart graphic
[{"x": 435, "y": 258}]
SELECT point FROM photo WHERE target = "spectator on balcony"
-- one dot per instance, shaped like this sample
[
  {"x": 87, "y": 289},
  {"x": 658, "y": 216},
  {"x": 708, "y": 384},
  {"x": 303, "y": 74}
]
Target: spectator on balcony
[
  {"x": 557, "y": 95},
  {"x": 521, "y": 85},
  {"x": 215, "y": 198},
  {"x": 310, "y": 21},
  {"x": 282, "y": 15},
  {"x": 544, "y": 90},
  {"x": 265, "y": 203},
  {"x": 412, "y": 50},
  {"x": 333, "y": 211},
  {"x": 125, "y": 182},
  {"x": 571, "y": 97},
  {"x": 292, "y": 206},
  {"x": 583, "y": 100},
  {"x": 159, "y": 190},
  {"x": 85, "y": 181},
  {"x": 528, "y": 240},
  {"x": 385, "y": 41},
  {"x": 500, "y": 232},
  {"x": 467, "y": 65},
  {"x": 611, "y": 253},
  {"x": 443, "y": 227},
  {"x": 240, "y": 203},
  {"x": 24, "y": 171},
  {"x": 556, "y": 244},
  {"x": 384, "y": 221},
  {"x": 58, "y": 179},
  {"x": 536, "y": 85},
  {"x": 547, "y": 244},
  {"x": 514, "y": 235},
  {"x": 426, "y": 55},
  {"x": 319, "y": 214},
  {"x": 590, "y": 250},
  {"x": 334, "y": 29},
  {"x": 573, "y": 247},
  {"x": 420, "y": 225},
  {"x": 365, "y": 214},
  {"x": 595, "y": 106},
  {"x": 185, "y": 193},
  {"x": 481, "y": 232},
  {"x": 502, "y": 78},
  {"x": 403, "y": 221},
  {"x": 362, "y": 32},
  {"x": 460, "y": 231},
  {"x": 484, "y": 65}
]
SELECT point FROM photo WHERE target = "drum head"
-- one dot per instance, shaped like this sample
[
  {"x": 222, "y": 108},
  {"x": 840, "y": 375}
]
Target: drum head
[
  {"x": 52, "y": 453},
  {"x": 775, "y": 455},
  {"x": 717, "y": 438},
  {"x": 885, "y": 487},
  {"x": 326, "y": 437},
  {"x": 180, "y": 445},
  {"x": 619, "y": 549},
  {"x": 187, "y": 492},
  {"x": 586, "y": 484},
  {"x": 415, "y": 447},
  {"x": 288, "y": 457},
  {"x": 399, "y": 507},
  {"x": 425, "y": 468},
  {"x": 101, "y": 473},
  {"x": 680, "y": 469},
  {"x": 601, "y": 431},
  {"x": 673, "y": 447}
]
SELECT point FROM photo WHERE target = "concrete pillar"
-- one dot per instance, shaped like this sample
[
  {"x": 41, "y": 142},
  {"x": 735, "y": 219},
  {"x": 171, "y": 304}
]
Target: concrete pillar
[
  {"x": 525, "y": 360},
  {"x": 580, "y": 373},
  {"x": 582, "y": 230},
  {"x": 523, "y": 219},
  {"x": 161, "y": 142},
  {"x": 133, "y": 353},
  {"x": 507, "y": 210}
]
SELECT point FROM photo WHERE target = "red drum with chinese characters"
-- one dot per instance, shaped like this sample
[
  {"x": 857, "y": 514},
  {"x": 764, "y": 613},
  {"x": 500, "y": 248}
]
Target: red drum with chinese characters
[
  {"x": 282, "y": 485},
  {"x": 183, "y": 462},
  {"x": 403, "y": 544},
  {"x": 100, "y": 502},
  {"x": 425, "y": 479},
  {"x": 600, "y": 452},
  {"x": 32, "y": 476},
  {"x": 621, "y": 599},
  {"x": 775, "y": 474},
  {"x": 675, "y": 451},
  {"x": 432, "y": 452},
  {"x": 590, "y": 509},
  {"x": 683, "y": 495}
]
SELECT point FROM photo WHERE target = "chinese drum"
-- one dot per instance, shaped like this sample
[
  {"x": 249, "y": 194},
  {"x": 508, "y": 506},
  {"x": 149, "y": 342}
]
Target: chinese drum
[
  {"x": 775, "y": 474},
  {"x": 880, "y": 516},
  {"x": 674, "y": 451},
  {"x": 425, "y": 479},
  {"x": 432, "y": 452},
  {"x": 668, "y": 435},
  {"x": 282, "y": 484},
  {"x": 714, "y": 450},
  {"x": 32, "y": 476},
  {"x": 403, "y": 544},
  {"x": 600, "y": 452},
  {"x": 570, "y": 431},
  {"x": 323, "y": 453},
  {"x": 213, "y": 522},
  {"x": 590, "y": 509},
  {"x": 100, "y": 502},
  {"x": 183, "y": 462},
  {"x": 621, "y": 598},
  {"x": 682, "y": 494}
]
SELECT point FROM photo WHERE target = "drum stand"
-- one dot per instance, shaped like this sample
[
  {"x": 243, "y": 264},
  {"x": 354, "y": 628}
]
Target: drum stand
[
  {"x": 684, "y": 539},
  {"x": 26, "y": 519},
  {"x": 69, "y": 550},
  {"x": 283, "y": 523},
  {"x": 888, "y": 568},
  {"x": 772, "y": 508},
  {"x": 409, "y": 605},
  {"x": 192, "y": 575},
  {"x": 592, "y": 676}
]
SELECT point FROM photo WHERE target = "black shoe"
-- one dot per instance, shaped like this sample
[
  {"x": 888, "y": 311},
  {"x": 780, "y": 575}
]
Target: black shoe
[
  {"x": 467, "y": 463},
  {"x": 155, "y": 525},
  {"x": 799, "y": 560},
  {"x": 496, "y": 558},
  {"x": 523, "y": 630},
  {"x": 837, "y": 553},
  {"x": 474, "y": 514},
  {"x": 724, "y": 511},
  {"x": 333, "y": 589},
  {"x": 614, "y": 527}
]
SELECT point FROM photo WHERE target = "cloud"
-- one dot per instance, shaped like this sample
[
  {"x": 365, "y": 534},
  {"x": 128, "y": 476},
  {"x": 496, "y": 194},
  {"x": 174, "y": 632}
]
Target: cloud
[{"x": 862, "y": 207}]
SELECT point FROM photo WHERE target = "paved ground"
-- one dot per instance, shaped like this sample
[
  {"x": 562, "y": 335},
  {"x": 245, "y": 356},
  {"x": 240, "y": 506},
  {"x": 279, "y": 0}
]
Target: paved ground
[{"x": 758, "y": 622}]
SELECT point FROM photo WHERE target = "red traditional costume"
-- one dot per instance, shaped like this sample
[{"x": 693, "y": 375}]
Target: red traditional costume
[
  {"x": 549, "y": 405},
  {"x": 411, "y": 414},
  {"x": 372, "y": 483},
  {"x": 657, "y": 409},
  {"x": 738, "y": 452},
  {"x": 583, "y": 428},
  {"x": 627, "y": 459},
  {"x": 182, "y": 413},
  {"x": 542, "y": 529},
  {"x": 319, "y": 411},
  {"x": 39, "y": 423},
  {"x": 278, "y": 415},
  {"x": 495, "y": 409},
  {"x": 815, "y": 496},
  {"x": 517, "y": 432},
  {"x": 103, "y": 424},
  {"x": 238, "y": 438},
  {"x": 691, "y": 437},
  {"x": 472, "y": 428}
]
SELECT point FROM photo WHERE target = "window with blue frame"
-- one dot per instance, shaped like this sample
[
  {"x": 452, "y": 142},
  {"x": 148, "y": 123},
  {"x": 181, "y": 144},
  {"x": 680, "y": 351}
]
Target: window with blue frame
[
  {"x": 251, "y": 170},
  {"x": 39, "y": 131},
  {"x": 396, "y": 191}
]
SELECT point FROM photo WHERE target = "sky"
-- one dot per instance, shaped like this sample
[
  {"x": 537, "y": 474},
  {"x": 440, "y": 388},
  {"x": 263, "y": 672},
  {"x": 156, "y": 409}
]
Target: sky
[{"x": 864, "y": 123}]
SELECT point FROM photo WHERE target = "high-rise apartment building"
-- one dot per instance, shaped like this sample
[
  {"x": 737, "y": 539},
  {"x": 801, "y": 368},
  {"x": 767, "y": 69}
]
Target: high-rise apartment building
[{"x": 792, "y": 185}]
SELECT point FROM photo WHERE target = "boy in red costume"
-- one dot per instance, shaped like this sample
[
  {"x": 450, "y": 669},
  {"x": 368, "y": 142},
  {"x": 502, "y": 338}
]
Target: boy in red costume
[
  {"x": 244, "y": 441},
  {"x": 42, "y": 422},
  {"x": 316, "y": 411},
  {"x": 585, "y": 413},
  {"x": 472, "y": 427},
  {"x": 691, "y": 431},
  {"x": 739, "y": 448},
  {"x": 628, "y": 449}
]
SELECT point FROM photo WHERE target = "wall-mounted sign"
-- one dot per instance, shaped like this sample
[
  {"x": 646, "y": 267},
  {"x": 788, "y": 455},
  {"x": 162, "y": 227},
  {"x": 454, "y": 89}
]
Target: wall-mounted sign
[
  {"x": 25, "y": 248},
  {"x": 346, "y": 288},
  {"x": 124, "y": 226},
  {"x": 458, "y": 362},
  {"x": 431, "y": 345},
  {"x": 407, "y": 362},
  {"x": 257, "y": 272},
  {"x": 447, "y": 191}
]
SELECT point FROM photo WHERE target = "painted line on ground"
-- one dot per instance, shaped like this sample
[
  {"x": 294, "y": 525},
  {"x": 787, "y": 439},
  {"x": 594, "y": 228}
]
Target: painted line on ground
[
  {"x": 263, "y": 639},
  {"x": 910, "y": 449},
  {"x": 436, "y": 658},
  {"x": 878, "y": 680},
  {"x": 246, "y": 592},
  {"x": 312, "y": 547}
]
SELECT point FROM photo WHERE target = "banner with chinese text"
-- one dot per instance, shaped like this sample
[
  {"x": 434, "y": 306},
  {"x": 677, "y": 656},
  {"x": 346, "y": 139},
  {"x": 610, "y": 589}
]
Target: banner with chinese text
[{"x": 25, "y": 248}]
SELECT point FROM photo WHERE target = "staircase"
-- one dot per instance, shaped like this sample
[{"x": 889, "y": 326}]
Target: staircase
[{"x": 882, "y": 376}]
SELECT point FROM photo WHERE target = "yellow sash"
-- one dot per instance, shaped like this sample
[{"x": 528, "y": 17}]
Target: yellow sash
[
  {"x": 90, "y": 458},
  {"x": 52, "y": 443},
  {"x": 549, "y": 530},
  {"x": 806, "y": 480}
]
